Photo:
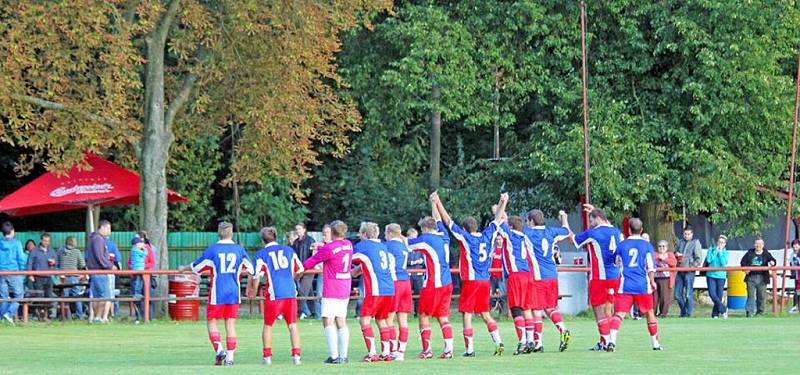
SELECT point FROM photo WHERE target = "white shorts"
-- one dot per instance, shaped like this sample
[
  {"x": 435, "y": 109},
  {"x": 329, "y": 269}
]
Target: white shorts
[{"x": 333, "y": 307}]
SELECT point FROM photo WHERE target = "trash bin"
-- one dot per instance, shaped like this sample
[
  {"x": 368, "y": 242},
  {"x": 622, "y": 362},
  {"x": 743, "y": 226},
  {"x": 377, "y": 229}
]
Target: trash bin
[{"x": 184, "y": 286}]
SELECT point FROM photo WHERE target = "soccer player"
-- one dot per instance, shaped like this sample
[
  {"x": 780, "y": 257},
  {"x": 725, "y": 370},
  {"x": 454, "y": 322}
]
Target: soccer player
[
  {"x": 518, "y": 263},
  {"x": 636, "y": 285},
  {"x": 473, "y": 264},
  {"x": 335, "y": 257},
  {"x": 434, "y": 299},
  {"x": 545, "y": 276},
  {"x": 224, "y": 261},
  {"x": 281, "y": 266},
  {"x": 403, "y": 303},
  {"x": 374, "y": 263},
  {"x": 602, "y": 239}
]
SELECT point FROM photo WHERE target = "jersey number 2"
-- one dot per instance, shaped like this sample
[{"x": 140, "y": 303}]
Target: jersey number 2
[
  {"x": 227, "y": 261},
  {"x": 633, "y": 253}
]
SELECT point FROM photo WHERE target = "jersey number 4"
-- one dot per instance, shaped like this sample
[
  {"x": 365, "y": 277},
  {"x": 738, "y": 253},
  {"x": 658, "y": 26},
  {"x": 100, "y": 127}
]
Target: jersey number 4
[{"x": 227, "y": 262}]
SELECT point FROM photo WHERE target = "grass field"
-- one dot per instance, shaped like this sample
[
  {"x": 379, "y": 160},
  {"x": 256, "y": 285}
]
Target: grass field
[{"x": 736, "y": 346}]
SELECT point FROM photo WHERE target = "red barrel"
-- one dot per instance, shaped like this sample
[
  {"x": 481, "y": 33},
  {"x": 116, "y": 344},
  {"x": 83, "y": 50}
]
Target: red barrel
[{"x": 184, "y": 286}]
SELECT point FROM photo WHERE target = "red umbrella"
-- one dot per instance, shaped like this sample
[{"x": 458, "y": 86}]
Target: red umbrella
[{"x": 106, "y": 184}]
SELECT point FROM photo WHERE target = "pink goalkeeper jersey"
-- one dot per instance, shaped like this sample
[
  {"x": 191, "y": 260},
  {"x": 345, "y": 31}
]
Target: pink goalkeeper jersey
[{"x": 335, "y": 258}]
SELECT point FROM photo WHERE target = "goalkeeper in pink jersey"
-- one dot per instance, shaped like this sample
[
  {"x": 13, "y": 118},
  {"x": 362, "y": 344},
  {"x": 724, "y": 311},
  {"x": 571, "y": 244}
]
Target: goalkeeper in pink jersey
[{"x": 335, "y": 257}]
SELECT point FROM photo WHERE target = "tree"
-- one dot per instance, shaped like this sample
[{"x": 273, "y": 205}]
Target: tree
[{"x": 85, "y": 75}]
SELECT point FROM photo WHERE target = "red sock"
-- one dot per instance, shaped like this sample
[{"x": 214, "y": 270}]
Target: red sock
[
  {"x": 403, "y": 335},
  {"x": 425, "y": 335},
  {"x": 392, "y": 337},
  {"x": 603, "y": 326},
  {"x": 267, "y": 352},
  {"x": 529, "y": 329},
  {"x": 652, "y": 328},
  {"x": 295, "y": 352},
  {"x": 216, "y": 342},
  {"x": 230, "y": 343},
  {"x": 537, "y": 328},
  {"x": 616, "y": 322},
  {"x": 519, "y": 324},
  {"x": 467, "y": 337},
  {"x": 385, "y": 334},
  {"x": 447, "y": 331},
  {"x": 369, "y": 336},
  {"x": 556, "y": 318},
  {"x": 491, "y": 326}
]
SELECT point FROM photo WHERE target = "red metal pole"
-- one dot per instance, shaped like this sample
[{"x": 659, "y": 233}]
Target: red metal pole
[
  {"x": 146, "y": 297},
  {"x": 585, "y": 107},
  {"x": 791, "y": 183}
]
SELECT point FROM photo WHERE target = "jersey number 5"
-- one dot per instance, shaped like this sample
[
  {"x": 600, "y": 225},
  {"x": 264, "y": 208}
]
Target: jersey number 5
[{"x": 227, "y": 262}]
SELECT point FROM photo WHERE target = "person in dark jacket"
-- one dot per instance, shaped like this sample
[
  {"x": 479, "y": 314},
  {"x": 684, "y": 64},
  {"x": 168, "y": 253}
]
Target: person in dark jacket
[
  {"x": 97, "y": 258},
  {"x": 305, "y": 287},
  {"x": 757, "y": 280},
  {"x": 43, "y": 258}
]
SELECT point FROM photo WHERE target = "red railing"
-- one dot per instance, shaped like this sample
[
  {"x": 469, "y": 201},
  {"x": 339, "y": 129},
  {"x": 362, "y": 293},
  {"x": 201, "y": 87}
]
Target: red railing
[{"x": 147, "y": 299}]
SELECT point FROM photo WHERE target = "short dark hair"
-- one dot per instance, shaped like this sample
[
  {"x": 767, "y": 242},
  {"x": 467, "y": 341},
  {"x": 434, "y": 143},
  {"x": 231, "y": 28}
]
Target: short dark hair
[
  {"x": 597, "y": 214},
  {"x": 795, "y": 242},
  {"x": 103, "y": 223},
  {"x": 44, "y": 235},
  {"x": 427, "y": 223},
  {"x": 7, "y": 228},
  {"x": 688, "y": 229},
  {"x": 470, "y": 224},
  {"x": 536, "y": 216},
  {"x": 515, "y": 222},
  {"x": 268, "y": 234},
  {"x": 636, "y": 225}
]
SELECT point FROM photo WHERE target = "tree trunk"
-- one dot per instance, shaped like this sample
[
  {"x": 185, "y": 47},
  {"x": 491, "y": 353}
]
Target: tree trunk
[
  {"x": 156, "y": 140},
  {"x": 657, "y": 222},
  {"x": 497, "y": 115},
  {"x": 436, "y": 139}
]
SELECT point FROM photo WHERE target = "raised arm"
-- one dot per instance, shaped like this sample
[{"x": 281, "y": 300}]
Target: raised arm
[
  {"x": 439, "y": 207},
  {"x": 434, "y": 198}
]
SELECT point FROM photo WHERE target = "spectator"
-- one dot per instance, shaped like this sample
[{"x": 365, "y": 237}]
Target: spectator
[
  {"x": 149, "y": 265},
  {"x": 97, "y": 258},
  {"x": 43, "y": 259},
  {"x": 717, "y": 257},
  {"x": 326, "y": 238},
  {"x": 665, "y": 280},
  {"x": 498, "y": 284},
  {"x": 69, "y": 257},
  {"x": 795, "y": 263},
  {"x": 115, "y": 257},
  {"x": 689, "y": 253},
  {"x": 29, "y": 246},
  {"x": 137, "y": 261},
  {"x": 302, "y": 247},
  {"x": 12, "y": 258},
  {"x": 416, "y": 261},
  {"x": 757, "y": 280}
]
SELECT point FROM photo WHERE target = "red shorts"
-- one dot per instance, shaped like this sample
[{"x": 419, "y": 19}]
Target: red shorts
[
  {"x": 378, "y": 307},
  {"x": 546, "y": 294},
  {"x": 284, "y": 306},
  {"x": 602, "y": 291},
  {"x": 520, "y": 292},
  {"x": 403, "y": 300},
  {"x": 624, "y": 302},
  {"x": 435, "y": 302},
  {"x": 228, "y": 311},
  {"x": 474, "y": 296}
]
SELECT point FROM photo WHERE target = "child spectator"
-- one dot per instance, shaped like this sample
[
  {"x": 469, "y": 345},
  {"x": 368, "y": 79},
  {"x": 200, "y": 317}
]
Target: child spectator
[{"x": 138, "y": 254}]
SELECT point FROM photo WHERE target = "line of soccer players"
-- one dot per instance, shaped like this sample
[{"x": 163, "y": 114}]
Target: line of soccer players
[{"x": 621, "y": 275}]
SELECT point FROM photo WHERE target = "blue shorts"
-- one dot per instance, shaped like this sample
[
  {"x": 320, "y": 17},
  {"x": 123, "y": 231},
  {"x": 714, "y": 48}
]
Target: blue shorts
[{"x": 99, "y": 285}]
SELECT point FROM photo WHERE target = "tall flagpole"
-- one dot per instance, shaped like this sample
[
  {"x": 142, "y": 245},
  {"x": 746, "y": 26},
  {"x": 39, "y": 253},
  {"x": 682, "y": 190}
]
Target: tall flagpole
[
  {"x": 791, "y": 182},
  {"x": 586, "y": 189}
]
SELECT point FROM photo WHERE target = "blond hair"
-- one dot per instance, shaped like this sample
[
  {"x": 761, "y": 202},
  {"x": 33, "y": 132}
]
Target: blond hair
[
  {"x": 393, "y": 230},
  {"x": 369, "y": 230}
]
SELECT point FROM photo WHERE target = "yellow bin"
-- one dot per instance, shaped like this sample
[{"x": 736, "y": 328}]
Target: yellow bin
[{"x": 737, "y": 290}]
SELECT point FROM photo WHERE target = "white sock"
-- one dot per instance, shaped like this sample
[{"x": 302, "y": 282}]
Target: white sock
[
  {"x": 330, "y": 338},
  {"x": 529, "y": 336},
  {"x": 229, "y": 355},
  {"x": 371, "y": 346},
  {"x": 496, "y": 337},
  {"x": 561, "y": 327},
  {"x": 385, "y": 348},
  {"x": 654, "y": 340},
  {"x": 470, "y": 345},
  {"x": 613, "y": 336},
  {"x": 448, "y": 345},
  {"x": 401, "y": 346},
  {"x": 538, "y": 339},
  {"x": 395, "y": 344},
  {"x": 607, "y": 338},
  {"x": 344, "y": 341}
]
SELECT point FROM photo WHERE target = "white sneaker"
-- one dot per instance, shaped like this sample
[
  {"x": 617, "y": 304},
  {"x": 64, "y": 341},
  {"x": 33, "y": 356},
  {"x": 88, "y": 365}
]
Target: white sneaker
[
  {"x": 266, "y": 361},
  {"x": 716, "y": 317},
  {"x": 303, "y": 316},
  {"x": 793, "y": 310},
  {"x": 296, "y": 360},
  {"x": 8, "y": 318},
  {"x": 399, "y": 356},
  {"x": 725, "y": 315}
]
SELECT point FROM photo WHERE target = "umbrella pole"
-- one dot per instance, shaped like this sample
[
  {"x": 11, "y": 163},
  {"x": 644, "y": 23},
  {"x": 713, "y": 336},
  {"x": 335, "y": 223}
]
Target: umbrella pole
[{"x": 89, "y": 223}]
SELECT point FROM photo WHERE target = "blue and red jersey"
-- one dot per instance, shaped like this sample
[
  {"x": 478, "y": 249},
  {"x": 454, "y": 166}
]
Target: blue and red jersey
[
  {"x": 376, "y": 267},
  {"x": 544, "y": 240},
  {"x": 433, "y": 247},
  {"x": 602, "y": 240},
  {"x": 225, "y": 261},
  {"x": 518, "y": 253},
  {"x": 474, "y": 259},
  {"x": 278, "y": 264},
  {"x": 399, "y": 253},
  {"x": 635, "y": 256}
]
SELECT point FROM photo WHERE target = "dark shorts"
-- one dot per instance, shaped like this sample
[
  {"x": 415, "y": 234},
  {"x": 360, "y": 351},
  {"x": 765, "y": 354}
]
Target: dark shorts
[{"x": 100, "y": 286}]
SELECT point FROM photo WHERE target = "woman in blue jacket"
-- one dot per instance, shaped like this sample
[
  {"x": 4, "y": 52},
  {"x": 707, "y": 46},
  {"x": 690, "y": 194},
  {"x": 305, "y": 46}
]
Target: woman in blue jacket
[{"x": 717, "y": 256}]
